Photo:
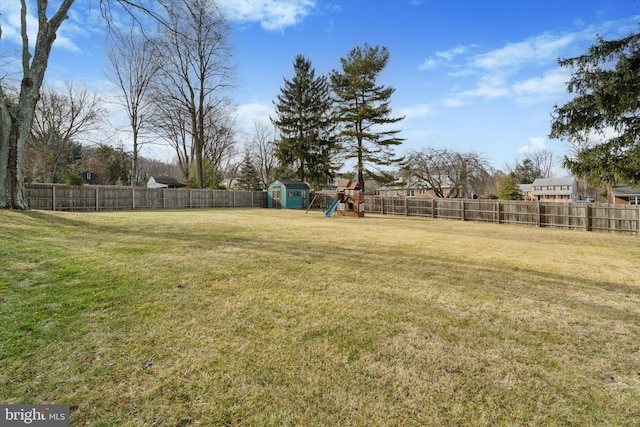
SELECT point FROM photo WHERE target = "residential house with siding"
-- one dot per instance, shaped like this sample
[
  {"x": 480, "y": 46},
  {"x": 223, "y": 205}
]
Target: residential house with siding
[
  {"x": 555, "y": 190},
  {"x": 625, "y": 195},
  {"x": 413, "y": 188},
  {"x": 527, "y": 191}
]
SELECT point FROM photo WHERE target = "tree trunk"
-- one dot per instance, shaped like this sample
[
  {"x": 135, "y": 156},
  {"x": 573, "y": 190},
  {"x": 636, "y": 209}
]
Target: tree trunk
[
  {"x": 8, "y": 122},
  {"x": 13, "y": 141},
  {"x": 18, "y": 138},
  {"x": 360, "y": 165}
]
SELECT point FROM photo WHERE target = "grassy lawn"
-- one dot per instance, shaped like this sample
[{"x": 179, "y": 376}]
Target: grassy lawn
[{"x": 266, "y": 317}]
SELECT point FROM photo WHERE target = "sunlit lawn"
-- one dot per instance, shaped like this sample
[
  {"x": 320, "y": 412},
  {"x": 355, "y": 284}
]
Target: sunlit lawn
[{"x": 267, "y": 317}]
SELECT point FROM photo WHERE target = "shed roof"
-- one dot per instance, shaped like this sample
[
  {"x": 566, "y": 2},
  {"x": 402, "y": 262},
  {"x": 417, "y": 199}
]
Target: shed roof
[
  {"x": 169, "y": 181},
  {"x": 293, "y": 184}
]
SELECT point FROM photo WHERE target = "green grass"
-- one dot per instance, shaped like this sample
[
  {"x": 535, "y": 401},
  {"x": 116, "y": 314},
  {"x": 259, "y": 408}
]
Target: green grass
[{"x": 266, "y": 317}]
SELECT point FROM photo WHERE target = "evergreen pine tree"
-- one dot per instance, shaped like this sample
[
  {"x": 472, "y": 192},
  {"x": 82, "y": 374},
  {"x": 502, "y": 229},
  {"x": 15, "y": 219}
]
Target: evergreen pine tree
[
  {"x": 249, "y": 179},
  {"x": 602, "y": 121},
  {"x": 363, "y": 107},
  {"x": 303, "y": 116},
  {"x": 510, "y": 189}
]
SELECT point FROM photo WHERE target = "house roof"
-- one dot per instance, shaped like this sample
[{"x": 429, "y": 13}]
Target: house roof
[
  {"x": 291, "y": 184},
  {"x": 526, "y": 188},
  {"x": 625, "y": 191},
  {"x": 554, "y": 181}
]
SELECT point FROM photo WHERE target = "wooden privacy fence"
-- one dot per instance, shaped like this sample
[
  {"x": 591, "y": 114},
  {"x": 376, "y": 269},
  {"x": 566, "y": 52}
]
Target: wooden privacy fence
[
  {"x": 111, "y": 197},
  {"x": 581, "y": 216}
]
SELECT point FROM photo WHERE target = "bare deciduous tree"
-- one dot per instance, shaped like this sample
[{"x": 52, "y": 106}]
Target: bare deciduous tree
[
  {"x": 133, "y": 67},
  {"x": 174, "y": 129},
  {"x": 537, "y": 164},
  {"x": 60, "y": 118},
  {"x": 262, "y": 150},
  {"x": 450, "y": 174},
  {"x": 219, "y": 146},
  {"x": 16, "y": 117},
  {"x": 195, "y": 72}
]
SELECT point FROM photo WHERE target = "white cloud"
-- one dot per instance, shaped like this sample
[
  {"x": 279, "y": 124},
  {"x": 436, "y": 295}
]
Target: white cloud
[
  {"x": 10, "y": 21},
  {"x": 428, "y": 64},
  {"x": 490, "y": 87},
  {"x": 538, "y": 50},
  {"x": 537, "y": 143},
  {"x": 552, "y": 83},
  {"x": 273, "y": 15},
  {"x": 248, "y": 114},
  {"x": 453, "y": 52},
  {"x": 513, "y": 71},
  {"x": 453, "y": 102},
  {"x": 444, "y": 56},
  {"x": 415, "y": 111}
]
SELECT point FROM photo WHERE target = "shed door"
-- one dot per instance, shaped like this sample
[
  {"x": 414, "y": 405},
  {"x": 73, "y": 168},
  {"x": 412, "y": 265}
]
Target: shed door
[
  {"x": 304, "y": 198},
  {"x": 275, "y": 195}
]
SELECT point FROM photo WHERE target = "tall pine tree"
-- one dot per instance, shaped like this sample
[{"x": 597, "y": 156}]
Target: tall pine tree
[
  {"x": 308, "y": 144},
  {"x": 363, "y": 110},
  {"x": 602, "y": 121},
  {"x": 249, "y": 178}
]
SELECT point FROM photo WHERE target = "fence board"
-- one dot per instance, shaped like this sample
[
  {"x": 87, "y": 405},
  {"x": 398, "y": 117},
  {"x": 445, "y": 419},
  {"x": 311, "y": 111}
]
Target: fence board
[
  {"x": 111, "y": 197},
  {"x": 607, "y": 218}
]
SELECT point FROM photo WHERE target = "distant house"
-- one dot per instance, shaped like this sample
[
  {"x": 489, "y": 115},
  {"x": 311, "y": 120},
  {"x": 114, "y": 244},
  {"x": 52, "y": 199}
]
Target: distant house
[
  {"x": 625, "y": 195},
  {"x": 413, "y": 188},
  {"x": 164, "y": 182},
  {"x": 286, "y": 194},
  {"x": 527, "y": 191},
  {"x": 90, "y": 178},
  {"x": 230, "y": 183},
  {"x": 555, "y": 189}
]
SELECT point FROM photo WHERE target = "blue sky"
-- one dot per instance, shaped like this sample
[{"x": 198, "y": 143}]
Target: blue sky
[{"x": 470, "y": 75}]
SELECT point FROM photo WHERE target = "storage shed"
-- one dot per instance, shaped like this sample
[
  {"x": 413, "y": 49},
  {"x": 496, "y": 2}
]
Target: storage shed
[
  {"x": 285, "y": 194},
  {"x": 164, "y": 182}
]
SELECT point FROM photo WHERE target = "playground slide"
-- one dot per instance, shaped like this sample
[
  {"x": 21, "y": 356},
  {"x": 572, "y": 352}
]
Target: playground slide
[{"x": 332, "y": 208}]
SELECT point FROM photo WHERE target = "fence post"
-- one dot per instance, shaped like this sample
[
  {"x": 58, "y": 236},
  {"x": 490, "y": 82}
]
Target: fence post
[
  {"x": 164, "y": 199},
  {"x": 53, "y": 198},
  {"x": 462, "y": 207},
  {"x": 406, "y": 206},
  {"x": 133, "y": 198},
  {"x": 497, "y": 211},
  {"x": 586, "y": 217},
  {"x": 433, "y": 208},
  {"x": 539, "y": 209}
]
